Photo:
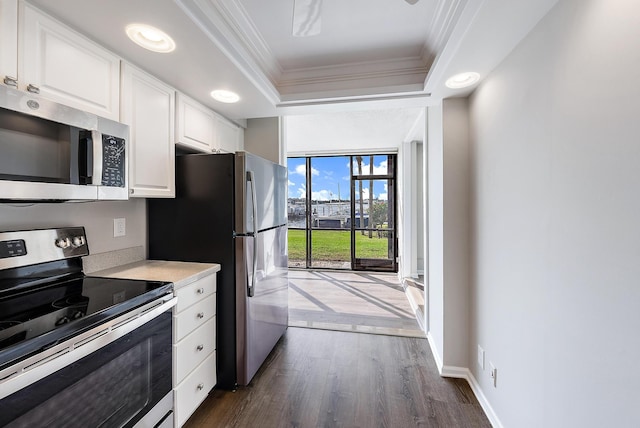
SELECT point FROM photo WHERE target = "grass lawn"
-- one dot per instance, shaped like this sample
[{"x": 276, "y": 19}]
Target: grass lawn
[{"x": 335, "y": 245}]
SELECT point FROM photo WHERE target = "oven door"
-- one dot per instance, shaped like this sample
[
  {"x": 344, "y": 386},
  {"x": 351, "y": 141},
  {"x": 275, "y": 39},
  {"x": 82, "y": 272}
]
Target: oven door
[{"x": 125, "y": 382}]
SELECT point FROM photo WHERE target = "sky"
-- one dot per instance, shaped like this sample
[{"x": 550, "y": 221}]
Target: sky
[{"x": 330, "y": 177}]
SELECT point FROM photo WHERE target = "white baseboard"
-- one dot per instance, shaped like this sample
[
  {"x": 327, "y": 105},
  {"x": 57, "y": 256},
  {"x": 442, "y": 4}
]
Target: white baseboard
[
  {"x": 434, "y": 351},
  {"x": 465, "y": 373},
  {"x": 457, "y": 372}
]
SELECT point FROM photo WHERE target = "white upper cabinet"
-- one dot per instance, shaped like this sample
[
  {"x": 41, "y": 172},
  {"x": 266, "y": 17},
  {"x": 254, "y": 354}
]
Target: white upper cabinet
[
  {"x": 195, "y": 125},
  {"x": 65, "y": 66},
  {"x": 148, "y": 107},
  {"x": 229, "y": 137},
  {"x": 9, "y": 42}
]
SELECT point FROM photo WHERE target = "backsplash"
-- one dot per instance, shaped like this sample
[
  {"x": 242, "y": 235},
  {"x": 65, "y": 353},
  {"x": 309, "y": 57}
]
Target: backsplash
[{"x": 96, "y": 217}]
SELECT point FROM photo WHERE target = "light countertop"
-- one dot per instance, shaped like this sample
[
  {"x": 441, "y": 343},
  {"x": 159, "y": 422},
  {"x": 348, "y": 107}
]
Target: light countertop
[{"x": 180, "y": 273}]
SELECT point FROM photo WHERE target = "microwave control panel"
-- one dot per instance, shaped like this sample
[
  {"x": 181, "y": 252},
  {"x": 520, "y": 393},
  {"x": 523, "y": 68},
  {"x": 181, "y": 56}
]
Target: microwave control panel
[
  {"x": 13, "y": 248},
  {"x": 113, "y": 161}
]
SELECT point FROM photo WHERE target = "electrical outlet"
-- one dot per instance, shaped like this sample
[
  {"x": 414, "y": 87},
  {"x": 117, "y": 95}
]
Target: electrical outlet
[
  {"x": 494, "y": 374},
  {"x": 119, "y": 227},
  {"x": 481, "y": 357}
]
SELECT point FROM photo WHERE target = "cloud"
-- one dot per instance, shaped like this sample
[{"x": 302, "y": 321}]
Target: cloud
[
  {"x": 291, "y": 183},
  {"x": 302, "y": 170},
  {"x": 322, "y": 195},
  {"x": 380, "y": 169},
  {"x": 384, "y": 196}
]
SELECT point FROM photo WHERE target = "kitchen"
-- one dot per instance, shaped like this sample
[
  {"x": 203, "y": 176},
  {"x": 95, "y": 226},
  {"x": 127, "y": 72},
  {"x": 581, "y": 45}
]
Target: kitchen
[
  {"x": 21, "y": 56},
  {"x": 67, "y": 161}
]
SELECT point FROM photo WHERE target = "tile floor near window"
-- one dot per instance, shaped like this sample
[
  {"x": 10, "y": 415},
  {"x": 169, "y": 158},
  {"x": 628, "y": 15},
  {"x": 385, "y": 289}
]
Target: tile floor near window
[{"x": 363, "y": 302}]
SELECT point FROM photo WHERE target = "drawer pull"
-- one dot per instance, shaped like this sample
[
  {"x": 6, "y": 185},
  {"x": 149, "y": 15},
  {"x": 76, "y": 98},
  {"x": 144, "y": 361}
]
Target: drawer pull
[
  {"x": 200, "y": 290},
  {"x": 200, "y": 315},
  {"x": 200, "y": 386},
  {"x": 200, "y": 347},
  {"x": 10, "y": 81}
]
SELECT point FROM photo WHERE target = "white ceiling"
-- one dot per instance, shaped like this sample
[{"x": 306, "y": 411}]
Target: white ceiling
[
  {"x": 369, "y": 54},
  {"x": 345, "y": 37}
]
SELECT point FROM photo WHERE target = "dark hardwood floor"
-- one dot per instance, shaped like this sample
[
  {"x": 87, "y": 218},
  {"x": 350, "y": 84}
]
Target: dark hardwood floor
[{"x": 320, "y": 378}]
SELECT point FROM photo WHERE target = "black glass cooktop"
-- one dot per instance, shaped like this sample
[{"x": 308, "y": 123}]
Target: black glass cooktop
[{"x": 38, "y": 317}]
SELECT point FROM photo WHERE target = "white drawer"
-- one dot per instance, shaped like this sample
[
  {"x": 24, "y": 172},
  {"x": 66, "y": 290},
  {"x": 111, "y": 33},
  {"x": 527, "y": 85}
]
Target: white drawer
[
  {"x": 195, "y": 292},
  {"x": 193, "y": 349},
  {"x": 195, "y": 388},
  {"x": 193, "y": 317}
]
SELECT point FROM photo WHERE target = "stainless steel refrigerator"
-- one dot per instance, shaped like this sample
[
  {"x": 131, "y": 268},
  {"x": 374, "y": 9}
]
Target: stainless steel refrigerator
[{"x": 231, "y": 209}]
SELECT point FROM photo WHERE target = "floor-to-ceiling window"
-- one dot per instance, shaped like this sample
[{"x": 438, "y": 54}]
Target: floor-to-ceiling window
[{"x": 342, "y": 212}]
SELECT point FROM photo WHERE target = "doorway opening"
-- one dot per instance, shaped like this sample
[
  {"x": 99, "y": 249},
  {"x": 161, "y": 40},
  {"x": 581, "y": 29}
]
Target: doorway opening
[{"x": 342, "y": 212}]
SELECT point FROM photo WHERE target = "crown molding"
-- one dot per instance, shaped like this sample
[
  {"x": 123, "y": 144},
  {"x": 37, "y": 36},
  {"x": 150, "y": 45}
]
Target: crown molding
[
  {"x": 464, "y": 15},
  {"x": 237, "y": 19},
  {"x": 409, "y": 71},
  {"x": 207, "y": 16},
  {"x": 228, "y": 25}
]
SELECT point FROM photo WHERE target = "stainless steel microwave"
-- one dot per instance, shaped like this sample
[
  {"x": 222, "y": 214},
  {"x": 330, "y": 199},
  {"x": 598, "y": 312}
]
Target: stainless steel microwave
[{"x": 52, "y": 152}]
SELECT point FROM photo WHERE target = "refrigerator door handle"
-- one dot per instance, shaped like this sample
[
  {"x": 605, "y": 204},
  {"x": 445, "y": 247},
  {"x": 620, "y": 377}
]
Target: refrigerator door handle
[{"x": 254, "y": 206}]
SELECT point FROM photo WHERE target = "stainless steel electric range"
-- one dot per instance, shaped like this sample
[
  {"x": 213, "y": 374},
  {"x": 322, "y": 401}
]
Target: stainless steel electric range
[{"x": 79, "y": 351}]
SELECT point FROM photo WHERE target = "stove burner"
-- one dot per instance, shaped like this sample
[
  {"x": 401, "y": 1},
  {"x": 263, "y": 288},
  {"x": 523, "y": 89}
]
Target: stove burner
[{"x": 75, "y": 301}]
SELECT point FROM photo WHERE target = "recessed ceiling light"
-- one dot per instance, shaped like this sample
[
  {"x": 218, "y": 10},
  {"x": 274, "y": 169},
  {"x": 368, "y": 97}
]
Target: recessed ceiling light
[
  {"x": 462, "y": 80},
  {"x": 150, "y": 38},
  {"x": 225, "y": 96}
]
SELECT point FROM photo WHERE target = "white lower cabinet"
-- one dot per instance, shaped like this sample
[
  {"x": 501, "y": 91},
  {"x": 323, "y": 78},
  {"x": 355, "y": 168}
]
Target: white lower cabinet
[
  {"x": 194, "y": 346},
  {"x": 194, "y": 389}
]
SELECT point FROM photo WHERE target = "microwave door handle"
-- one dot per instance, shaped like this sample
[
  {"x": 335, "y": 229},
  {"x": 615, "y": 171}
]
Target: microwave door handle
[
  {"x": 95, "y": 159},
  {"x": 85, "y": 157}
]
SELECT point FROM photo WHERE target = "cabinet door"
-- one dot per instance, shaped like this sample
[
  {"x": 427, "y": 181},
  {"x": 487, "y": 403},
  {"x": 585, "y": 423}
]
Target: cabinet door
[
  {"x": 148, "y": 107},
  {"x": 65, "y": 66},
  {"x": 195, "y": 125},
  {"x": 8, "y": 40},
  {"x": 227, "y": 136}
]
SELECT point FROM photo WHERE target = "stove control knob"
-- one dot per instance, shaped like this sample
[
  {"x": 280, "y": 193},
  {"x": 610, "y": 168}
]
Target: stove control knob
[
  {"x": 78, "y": 241},
  {"x": 63, "y": 243}
]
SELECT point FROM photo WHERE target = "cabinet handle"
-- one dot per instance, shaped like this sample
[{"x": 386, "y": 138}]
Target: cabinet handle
[
  {"x": 201, "y": 315},
  {"x": 200, "y": 386},
  {"x": 200, "y": 347},
  {"x": 33, "y": 89},
  {"x": 10, "y": 81},
  {"x": 200, "y": 290}
]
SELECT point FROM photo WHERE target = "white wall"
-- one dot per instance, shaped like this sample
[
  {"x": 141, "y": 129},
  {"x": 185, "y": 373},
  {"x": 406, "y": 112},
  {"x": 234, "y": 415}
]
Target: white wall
[
  {"x": 448, "y": 184},
  {"x": 456, "y": 219},
  {"x": 434, "y": 242},
  {"x": 262, "y": 138},
  {"x": 556, "y": 230},
  {"x": 351, "y": 132},
  {"x": 409, "y": 207},
  {"x": 96, "y": 217},
  {"x": 418, "y": 235}
]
